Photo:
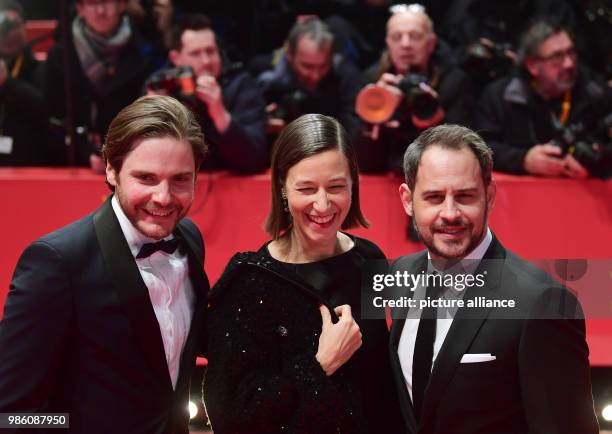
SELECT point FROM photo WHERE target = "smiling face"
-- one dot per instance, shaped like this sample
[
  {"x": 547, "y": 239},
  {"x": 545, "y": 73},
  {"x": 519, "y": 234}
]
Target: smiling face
[
  {"x": 199, "y": 50},
  {"x": 450, "y": 203},
  {"x": 318, "y": 191},
  {"x": 155, "y": 186}
]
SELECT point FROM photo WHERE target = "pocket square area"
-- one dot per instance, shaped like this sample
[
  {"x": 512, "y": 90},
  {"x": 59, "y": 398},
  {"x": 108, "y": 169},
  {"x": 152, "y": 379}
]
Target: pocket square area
[{"x": 477, "y": 358}]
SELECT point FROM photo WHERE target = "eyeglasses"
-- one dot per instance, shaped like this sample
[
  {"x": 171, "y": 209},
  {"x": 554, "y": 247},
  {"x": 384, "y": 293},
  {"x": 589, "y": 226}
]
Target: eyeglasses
[{"x": 557, "y": 58}]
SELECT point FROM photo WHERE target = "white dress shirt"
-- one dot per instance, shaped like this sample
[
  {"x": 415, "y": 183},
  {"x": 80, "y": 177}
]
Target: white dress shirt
[
  {"x": 170, "y": 290},
  {"x": 407, "y": 341}
]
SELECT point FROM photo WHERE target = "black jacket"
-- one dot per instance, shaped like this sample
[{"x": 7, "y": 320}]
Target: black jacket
[
  {"x": 334, "y": 96},
  {"x": 539, "y": 382},
  {"x": 243, "y": 147},
  {"x": 93, "y": 110},
  {"x": 512, "y": 117},
  {"x": 262, "y": 376},
  {"x": 79, "y": 334},
  {"x": 23, "y": 116}
]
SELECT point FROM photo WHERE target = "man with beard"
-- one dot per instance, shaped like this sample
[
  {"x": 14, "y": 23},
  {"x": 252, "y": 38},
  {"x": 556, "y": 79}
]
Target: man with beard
[
  {"x": 104, "y": 317},
  {"x": 521, "y": 115},
  {"x": 487, "y": 370}
]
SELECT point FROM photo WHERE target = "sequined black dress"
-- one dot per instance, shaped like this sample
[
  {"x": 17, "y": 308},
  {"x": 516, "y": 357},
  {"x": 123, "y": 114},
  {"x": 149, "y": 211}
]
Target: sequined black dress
[{"x": 264, "y": 325}]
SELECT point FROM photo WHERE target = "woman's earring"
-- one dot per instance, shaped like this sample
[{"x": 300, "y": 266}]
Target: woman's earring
[{"x": 285, "y": 202}]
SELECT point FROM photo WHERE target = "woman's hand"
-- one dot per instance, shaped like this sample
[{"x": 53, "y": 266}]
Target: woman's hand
[{"x": 338, "y": 342}]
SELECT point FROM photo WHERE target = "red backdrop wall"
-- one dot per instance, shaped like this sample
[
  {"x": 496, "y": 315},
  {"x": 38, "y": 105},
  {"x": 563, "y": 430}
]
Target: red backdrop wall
[{"x": 536, "y": 218}]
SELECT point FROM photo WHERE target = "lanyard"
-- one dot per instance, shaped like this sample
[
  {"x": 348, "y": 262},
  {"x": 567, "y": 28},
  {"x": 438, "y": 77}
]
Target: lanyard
[
  {"x": 566, "y": 105},
  {"x": 17, "y": 66}
]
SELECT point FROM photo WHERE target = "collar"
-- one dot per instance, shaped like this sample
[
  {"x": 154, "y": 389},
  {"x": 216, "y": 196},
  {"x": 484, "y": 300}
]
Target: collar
[
  {"x": 133, "y": 236},
  {"x": 516, "y": 91},
  {"x": 470, "y": 262}
]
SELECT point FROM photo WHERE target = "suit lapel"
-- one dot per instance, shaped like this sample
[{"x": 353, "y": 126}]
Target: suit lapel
[
  {"x": 419, "y": 264},
  {"x": 131, "y": 289},
  {"x": 463, "y": 330},
  {"x": 200, "y": 287}
]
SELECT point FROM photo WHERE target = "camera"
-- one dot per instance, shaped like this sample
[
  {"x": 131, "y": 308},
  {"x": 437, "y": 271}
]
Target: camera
[
  {"x": 173, "y": 81},
  {"x": 573, "y": 140},
  {"x": 487, "y": 60},
  {"x": 424, "y": 105},
  {"x": 376, "y": 104},
  {"x": 291, "y": 106}
]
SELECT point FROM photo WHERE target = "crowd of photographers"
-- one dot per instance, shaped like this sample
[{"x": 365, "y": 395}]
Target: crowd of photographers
[{"x": 539, "y": 90}]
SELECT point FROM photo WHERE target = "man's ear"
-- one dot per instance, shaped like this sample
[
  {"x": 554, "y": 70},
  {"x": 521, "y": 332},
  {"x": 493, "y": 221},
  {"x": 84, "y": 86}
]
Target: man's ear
[
  {"x": 79, "y": 9},
  {"x": 531, "y": 66},
  {"x": 174, "y": 55},
  {"x": 288, "y": 54},
  {"x": 432, "y": 43},
  {"x": 491, "y": 192},
  {"x": 111, "y": 175},
  {"x": 122, "y": 7},
  {"x": 406, "y": 198}
]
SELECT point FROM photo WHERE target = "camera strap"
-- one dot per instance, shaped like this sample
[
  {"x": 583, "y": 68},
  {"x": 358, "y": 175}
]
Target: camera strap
[
  {"x": 434, "y": 78},
  {"x": 16, "y": 69},
  {"x": 566, "y": 106}
]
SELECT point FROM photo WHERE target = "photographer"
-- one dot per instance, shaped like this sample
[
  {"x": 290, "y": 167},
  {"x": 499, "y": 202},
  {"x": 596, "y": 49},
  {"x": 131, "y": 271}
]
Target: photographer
[
  {"x": 22, "y": 117},
  {"x": 417, "y": 86},
  {"x": 107, "y": 71},
  {"x": 311, "y": 78},
  {"x": 546, "y": 119},
  {"x": 227, "y": 102},
  {"x": 486, "y": 33}
]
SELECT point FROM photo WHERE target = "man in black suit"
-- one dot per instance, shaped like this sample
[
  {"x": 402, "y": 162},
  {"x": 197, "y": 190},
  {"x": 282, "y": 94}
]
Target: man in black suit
[
  {"x": 103, "y": 321},
  {"x": 492, "y": 369}
]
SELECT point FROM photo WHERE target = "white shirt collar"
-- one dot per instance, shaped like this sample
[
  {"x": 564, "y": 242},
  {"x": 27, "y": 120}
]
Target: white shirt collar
[{"x": 133, "y": 236}]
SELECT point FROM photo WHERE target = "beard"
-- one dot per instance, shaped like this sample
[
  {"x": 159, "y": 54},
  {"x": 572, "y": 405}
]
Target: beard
[{"x": 460, "y": 254}]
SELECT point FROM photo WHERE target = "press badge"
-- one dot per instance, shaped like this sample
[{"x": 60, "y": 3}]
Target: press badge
[{"x": 6, "y": 145}]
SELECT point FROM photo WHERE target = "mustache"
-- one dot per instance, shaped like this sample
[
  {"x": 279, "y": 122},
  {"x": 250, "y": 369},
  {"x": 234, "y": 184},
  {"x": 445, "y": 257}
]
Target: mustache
[{"x": 445, "y": 226}]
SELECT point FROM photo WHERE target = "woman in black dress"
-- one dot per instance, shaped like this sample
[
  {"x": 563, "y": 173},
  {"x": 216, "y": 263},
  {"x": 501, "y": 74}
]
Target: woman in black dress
[{"x": 288, "y": 350}]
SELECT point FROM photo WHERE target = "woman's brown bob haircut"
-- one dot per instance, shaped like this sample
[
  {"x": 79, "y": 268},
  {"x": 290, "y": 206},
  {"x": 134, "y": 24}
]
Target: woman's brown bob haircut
[
  {"x": 152, "y": 117},
  {"x": 306, "y": 136}
]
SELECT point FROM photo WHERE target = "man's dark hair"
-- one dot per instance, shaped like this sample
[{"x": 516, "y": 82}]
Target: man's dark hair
[
  {"x": 538, "y": 31},
  {"x": 152, "y": 117},
  {"x": 447, "y": 136},
  {"x": 306, "y": 136},
  {"x": 315, "y": 29},
  {"x": 186, "y": 22},
  {"x": 11, "y": 5}
]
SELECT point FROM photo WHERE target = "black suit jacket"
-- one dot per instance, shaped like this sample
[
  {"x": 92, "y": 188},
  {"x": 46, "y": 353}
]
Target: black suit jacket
[
  {"x": 540, "y": 381},
  {"x": 79, "y": 334}
]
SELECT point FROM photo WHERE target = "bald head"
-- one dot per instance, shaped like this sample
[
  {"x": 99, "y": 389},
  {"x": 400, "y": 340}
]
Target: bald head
[{"x": 410, "y": 39}]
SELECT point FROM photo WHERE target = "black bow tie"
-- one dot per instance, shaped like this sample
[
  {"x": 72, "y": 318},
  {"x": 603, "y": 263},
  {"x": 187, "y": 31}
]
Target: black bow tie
[{"x": 168, "y": 246}]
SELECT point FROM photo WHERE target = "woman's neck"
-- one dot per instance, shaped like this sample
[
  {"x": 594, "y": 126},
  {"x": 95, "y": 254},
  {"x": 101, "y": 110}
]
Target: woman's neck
[{"x": 294, "y": 249}]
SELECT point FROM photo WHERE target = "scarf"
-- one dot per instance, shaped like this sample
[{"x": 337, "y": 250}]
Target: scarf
[{"x": 98, "y": 54}]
